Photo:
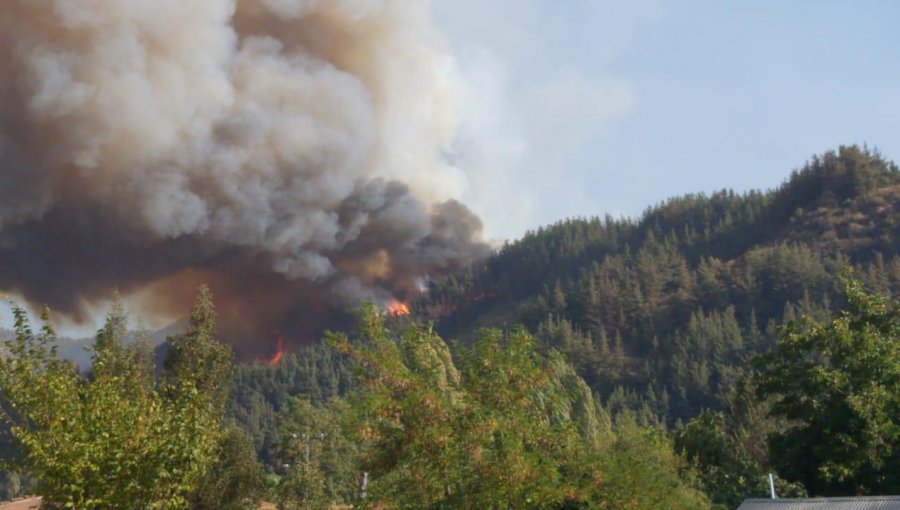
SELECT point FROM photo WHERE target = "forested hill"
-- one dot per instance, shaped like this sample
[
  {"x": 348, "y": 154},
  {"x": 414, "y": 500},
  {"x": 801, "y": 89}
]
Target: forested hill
[{"x": 661, "y": 313}]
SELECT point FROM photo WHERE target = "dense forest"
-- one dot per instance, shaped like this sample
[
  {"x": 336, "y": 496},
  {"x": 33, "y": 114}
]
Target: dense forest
[
  {"x": 680, "y": 337},
  {"x": 661, "y": 313}
]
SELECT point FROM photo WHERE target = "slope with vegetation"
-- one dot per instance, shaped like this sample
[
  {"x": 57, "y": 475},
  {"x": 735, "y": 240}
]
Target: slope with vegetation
[
  {"x": 662, "y": 313},
  {"x": 665, "y": 362}
]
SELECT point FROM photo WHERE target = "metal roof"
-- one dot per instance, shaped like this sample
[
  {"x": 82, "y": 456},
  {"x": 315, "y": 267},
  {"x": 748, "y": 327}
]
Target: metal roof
[{"x": 861, "y": 503}]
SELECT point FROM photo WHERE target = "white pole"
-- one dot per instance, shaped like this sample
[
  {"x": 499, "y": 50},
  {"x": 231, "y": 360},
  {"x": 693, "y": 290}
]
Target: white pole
[{"x": 772, "y": 486}]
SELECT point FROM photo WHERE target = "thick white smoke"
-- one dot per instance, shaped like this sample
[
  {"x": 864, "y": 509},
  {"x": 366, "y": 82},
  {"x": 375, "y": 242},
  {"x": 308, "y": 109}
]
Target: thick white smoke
[{"x": 291, "y": 142}]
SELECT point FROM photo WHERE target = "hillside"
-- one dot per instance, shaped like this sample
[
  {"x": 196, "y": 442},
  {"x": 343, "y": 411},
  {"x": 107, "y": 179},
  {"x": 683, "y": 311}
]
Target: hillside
[{"x": 661, "y": 313}]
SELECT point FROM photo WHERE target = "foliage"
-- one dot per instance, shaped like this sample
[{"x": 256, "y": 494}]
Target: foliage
[
  {"x": 724, "y": 457},
  {"x": 236, "y": 480},
  {"x": 196, "y": 357},
  {"x": 114, "y": 439},
  {"x": 838, "y": 382},
  {"x": 320, "y": 431},
  {"x": 642, "y": 471},
  {"x": 260, "y": 392},
  {"x": 303, "y": 488},
  {"x": 650, "y": 321},
  {"x": 503, "y": 427},
  {"x": 660, "y": 314}
]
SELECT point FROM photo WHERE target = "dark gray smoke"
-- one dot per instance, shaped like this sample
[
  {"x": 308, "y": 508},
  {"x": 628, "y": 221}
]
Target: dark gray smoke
[{"x": 284, "y": 151}]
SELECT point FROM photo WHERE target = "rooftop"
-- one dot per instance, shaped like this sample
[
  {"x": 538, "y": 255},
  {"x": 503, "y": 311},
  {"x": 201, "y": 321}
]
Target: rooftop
[
  {"x": 855, "y": 503},
  {"x": 21, "y": 504}
]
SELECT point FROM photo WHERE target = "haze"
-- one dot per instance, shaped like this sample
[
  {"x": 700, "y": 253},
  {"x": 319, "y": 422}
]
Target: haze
[{"x": 587, "y": 107}]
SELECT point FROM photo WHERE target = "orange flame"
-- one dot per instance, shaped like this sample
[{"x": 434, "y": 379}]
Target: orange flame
[
  {"x": 279, "y": 352},
  {"x": 398, "y": 309}
]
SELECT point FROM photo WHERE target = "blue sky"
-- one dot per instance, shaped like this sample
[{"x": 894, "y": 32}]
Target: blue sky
[{"x": 597, "y": 106}]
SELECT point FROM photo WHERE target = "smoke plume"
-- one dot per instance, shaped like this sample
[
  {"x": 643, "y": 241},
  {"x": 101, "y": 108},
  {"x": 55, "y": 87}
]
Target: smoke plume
[{"x": 286, "y": 152}]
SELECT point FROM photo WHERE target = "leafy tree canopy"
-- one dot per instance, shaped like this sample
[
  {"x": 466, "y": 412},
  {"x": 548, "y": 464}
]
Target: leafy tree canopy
[
  {"x": 117, "y": 438},
  {"x": 838, "y": 383},
  {"x": 502, "y": 426}
]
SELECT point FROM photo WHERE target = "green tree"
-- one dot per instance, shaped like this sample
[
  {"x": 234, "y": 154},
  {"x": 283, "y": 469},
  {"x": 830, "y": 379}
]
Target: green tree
[
  {"x": 236, "y": 480},
  {"x": 641, "y": 470},
  {"x": 727, "y": 470},
  {"x": 503, "y": 427},
  {"x": 261, "y": 394},
  {"x": 303, "y": 487},
  {"x": 197, "y": 357},
  {"x": 112, "y": 439},
  {"x": 838, "y": 382},
  {"x": 319, "y": 431}
]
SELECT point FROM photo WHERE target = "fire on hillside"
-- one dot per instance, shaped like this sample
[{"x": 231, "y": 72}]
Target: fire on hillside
[{"x": 397, "y": 308}]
